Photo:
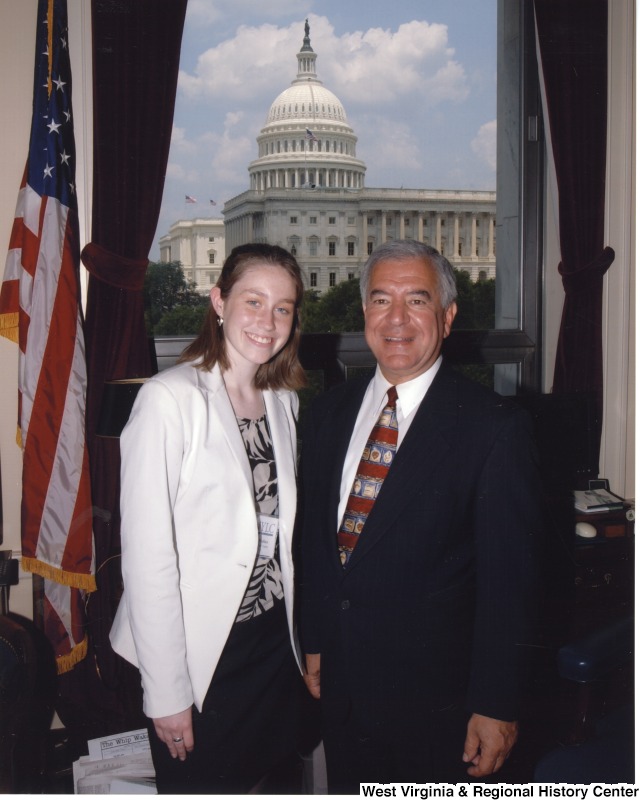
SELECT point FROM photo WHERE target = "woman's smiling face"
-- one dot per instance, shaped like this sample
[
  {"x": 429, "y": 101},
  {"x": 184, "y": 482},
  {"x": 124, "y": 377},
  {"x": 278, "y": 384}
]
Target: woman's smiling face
[{"x": 258, "y": 314}]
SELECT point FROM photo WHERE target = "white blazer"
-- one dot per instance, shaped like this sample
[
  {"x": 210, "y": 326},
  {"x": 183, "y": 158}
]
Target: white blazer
[{"x": 189, "y": 530}]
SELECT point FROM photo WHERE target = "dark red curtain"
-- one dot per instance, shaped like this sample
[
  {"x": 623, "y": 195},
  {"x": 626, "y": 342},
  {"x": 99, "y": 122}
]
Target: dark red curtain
[
  {"x": 573, "y": 41},
  {"x": 136, "y": 51}
]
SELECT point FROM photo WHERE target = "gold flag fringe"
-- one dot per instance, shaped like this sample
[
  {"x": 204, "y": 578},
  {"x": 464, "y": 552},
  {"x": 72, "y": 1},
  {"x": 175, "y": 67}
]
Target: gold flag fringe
[
  {"x": 67, "y": 663},
  {"x": 77, "y": 580},
  {"x": 9, "y": 326}
]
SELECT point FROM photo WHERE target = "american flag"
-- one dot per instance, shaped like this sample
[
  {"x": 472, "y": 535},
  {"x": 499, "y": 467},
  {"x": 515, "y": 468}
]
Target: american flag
[
  {"x": 310, "y": 135},
  {"x": 189, "y": 199},
  {"x": 40, "y": 311}
]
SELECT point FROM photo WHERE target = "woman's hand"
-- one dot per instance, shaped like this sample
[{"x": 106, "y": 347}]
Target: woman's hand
[{"x": 176, "y": 732}]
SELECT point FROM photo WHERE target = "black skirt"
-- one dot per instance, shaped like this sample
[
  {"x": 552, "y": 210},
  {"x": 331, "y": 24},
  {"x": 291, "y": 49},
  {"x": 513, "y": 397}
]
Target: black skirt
[{"x": 250, "y": 719}]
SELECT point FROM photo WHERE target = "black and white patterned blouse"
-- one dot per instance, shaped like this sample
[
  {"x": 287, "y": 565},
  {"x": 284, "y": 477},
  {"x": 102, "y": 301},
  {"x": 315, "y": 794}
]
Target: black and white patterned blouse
[{"x": 265, "y": 587}]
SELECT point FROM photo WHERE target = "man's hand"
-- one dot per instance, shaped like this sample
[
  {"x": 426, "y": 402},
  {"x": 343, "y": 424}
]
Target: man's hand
[
  {"x": 176, "y": 726},
  {"x": 488, "y": 744},
  {"x": 312, "y": 674}
]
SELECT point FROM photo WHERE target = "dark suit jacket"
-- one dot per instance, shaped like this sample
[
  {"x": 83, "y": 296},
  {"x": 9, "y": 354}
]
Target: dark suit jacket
[{"x": 434, "y": 605}]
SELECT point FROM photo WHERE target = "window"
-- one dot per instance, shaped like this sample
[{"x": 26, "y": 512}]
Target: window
[
  {"x": 212, "y": 238},
  {"x": 350, "y": 276},
  {"x": 351, "y": 220},
  {"x": 313, "y": 247},
  {"x": 313, "y": 220},
  {"x": 293, "y": 220},
  {"x": 369, "y": 248},
  {"x": 332, "y": 279},
  {"x": 313, "y": 279},
  {"x": 332, "y": 220},
  {"x": 369, "y": 220},
  {"x": 351, "y": 248},
  {"x": 212, "y": 257},
  {"x": 332, "y": 248}
]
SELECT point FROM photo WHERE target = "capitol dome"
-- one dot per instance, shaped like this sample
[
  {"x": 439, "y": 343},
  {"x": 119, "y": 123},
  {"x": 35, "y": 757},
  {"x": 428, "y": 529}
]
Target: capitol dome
[
  {"x": 309, "y": 101},
  {"x": 306, "y": 141}
]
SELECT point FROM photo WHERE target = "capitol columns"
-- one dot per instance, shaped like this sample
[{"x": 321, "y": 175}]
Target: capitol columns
[
  {"x": 473, "y": 238},
  {"x": 438, "y": 232},
  {"x": 456, "y": 235}
]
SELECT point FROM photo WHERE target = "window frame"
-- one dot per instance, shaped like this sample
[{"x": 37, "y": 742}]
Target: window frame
[{"x": 516, "y": 352}]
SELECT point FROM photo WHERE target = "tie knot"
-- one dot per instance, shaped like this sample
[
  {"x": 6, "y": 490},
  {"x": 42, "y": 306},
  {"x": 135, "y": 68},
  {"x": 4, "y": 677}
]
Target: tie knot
[{"x": 392, "y": 394}]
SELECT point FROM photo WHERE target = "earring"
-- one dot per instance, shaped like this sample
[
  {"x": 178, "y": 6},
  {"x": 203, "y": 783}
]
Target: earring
[{"x": 220, "y": 321}]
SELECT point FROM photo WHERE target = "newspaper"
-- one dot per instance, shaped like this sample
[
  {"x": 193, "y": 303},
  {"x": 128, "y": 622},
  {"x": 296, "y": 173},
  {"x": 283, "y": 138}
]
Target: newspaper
[{"x": 118, "y": 764}]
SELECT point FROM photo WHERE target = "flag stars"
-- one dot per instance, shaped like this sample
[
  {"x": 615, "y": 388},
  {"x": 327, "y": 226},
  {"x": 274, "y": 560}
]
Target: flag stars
[
  {"x": 48, "y": 172},
  {"x": 53, "y": 126},
  {"x": 64, "y": 158},
  {"x": 59, "y": 83},
  {"x": 67, "y": 115}
]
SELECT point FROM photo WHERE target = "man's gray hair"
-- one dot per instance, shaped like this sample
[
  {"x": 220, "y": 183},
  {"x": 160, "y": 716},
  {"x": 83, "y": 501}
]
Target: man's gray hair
[{"x": 404, "y": 249}]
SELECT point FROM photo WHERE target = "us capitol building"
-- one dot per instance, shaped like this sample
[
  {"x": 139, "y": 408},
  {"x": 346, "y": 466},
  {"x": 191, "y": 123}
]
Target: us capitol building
[{"x": 307, "y": 193}]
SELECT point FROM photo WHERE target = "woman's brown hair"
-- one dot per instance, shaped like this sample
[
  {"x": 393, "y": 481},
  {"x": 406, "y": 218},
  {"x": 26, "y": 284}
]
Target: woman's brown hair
[{"x": 284, "y": 370}]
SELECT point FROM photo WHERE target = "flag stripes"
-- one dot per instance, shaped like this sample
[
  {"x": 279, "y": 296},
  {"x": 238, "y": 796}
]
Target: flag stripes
[{"x": 40, "y": 311}]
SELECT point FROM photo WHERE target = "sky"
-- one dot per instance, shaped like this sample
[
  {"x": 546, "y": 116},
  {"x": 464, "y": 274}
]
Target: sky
[{"x": 417, "y": 79}]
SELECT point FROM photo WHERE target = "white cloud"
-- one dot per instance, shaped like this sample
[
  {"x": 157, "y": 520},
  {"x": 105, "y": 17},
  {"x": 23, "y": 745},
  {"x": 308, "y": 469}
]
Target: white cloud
[
  {"x": 243, "y": 67},
  {"x": 229, "y": 153},
  {"x": 180, "y": 143},
  {"x": 484, "y": 143},
  {"x": 390, "y": 145},
  {"x": 375, "y": 66},
  {"x": 379, "y": 65}
]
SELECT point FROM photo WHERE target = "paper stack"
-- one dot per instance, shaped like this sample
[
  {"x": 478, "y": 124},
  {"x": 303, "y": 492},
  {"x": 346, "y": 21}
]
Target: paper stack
[{"x": 118, "y": 764}]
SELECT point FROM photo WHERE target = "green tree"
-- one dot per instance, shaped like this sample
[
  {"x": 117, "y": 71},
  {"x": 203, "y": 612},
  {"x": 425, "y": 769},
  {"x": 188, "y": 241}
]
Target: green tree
[
  {"x": 476, "y": 303},
  {"x": 337, "y": 311},
  {"x": 181, "y": 321},
  {"x": 166, "y": 289}
]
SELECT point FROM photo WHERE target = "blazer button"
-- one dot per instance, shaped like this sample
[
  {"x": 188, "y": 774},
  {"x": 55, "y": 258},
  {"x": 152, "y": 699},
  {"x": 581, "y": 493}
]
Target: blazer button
[{"x": 345, "y": 605}]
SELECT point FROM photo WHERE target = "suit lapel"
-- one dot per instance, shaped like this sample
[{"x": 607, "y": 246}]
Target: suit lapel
[
  {"x": 212, "y": 383},
  {"x": 423, "y": 449}
]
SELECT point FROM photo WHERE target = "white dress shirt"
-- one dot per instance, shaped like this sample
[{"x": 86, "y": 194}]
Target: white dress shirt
[{"x": 410, "y": 395}]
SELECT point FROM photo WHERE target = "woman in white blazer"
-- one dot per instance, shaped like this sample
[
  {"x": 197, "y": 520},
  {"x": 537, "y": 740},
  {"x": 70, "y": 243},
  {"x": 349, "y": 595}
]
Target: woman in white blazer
[{"x": 208, "y": 496}]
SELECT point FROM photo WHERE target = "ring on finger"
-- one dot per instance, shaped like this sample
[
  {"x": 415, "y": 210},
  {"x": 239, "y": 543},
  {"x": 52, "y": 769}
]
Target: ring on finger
[{"x": 179, "y": 739}]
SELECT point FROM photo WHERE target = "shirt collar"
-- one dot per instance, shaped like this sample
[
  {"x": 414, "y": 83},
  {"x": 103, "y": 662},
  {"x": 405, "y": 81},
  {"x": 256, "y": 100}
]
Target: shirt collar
[{"x": 410, "y": 393}]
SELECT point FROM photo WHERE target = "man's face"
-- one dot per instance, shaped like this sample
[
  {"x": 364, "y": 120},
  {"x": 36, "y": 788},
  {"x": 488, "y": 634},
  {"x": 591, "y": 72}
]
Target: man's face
[{"x": 405, "y": 323}]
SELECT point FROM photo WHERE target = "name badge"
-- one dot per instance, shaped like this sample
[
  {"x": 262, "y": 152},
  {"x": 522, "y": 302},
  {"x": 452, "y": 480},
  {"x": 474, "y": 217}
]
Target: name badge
[{"x": 268, "y": 530}]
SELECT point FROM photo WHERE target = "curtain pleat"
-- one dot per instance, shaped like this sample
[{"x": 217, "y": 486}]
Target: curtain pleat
[
  {"x": 573, "y": 47},
  {"x": 136, "y": 52}
]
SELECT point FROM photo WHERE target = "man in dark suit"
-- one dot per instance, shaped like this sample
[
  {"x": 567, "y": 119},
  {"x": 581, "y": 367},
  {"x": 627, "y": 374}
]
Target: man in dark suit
[{"x": 416, "y": 615}]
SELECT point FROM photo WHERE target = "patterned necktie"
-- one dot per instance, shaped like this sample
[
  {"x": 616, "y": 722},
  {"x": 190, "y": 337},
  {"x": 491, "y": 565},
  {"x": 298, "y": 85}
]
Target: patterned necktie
[{"x": 374, "y": 464}]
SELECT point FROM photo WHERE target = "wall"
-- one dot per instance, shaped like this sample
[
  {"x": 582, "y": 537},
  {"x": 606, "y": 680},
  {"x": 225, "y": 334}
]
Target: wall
[{"x": 17, "y": 43}]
